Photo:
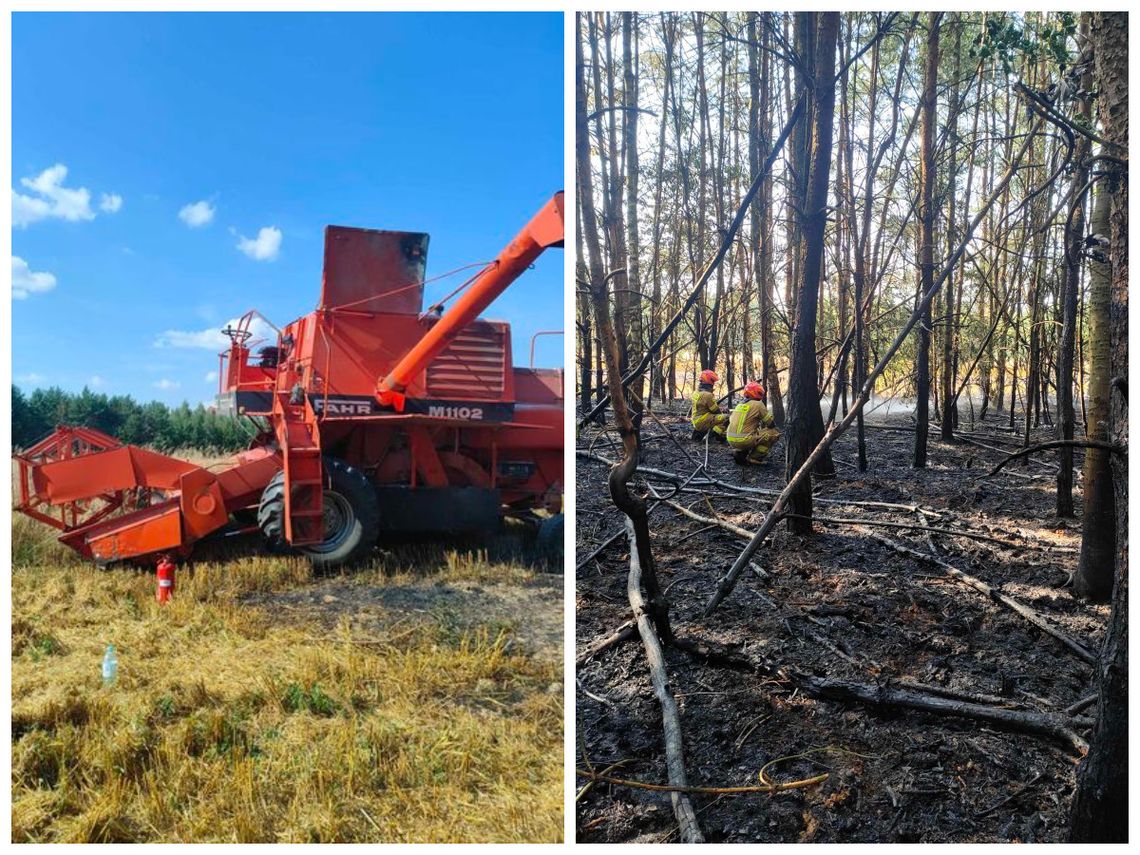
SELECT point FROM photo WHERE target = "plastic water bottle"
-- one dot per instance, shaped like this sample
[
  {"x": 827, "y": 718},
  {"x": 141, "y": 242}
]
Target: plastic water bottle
[{"x": 110, "y": 666}]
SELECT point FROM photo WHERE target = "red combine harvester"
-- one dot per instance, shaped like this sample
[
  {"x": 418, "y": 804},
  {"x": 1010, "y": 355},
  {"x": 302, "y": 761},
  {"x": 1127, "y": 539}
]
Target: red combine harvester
[{"x": 374, "y": 417}]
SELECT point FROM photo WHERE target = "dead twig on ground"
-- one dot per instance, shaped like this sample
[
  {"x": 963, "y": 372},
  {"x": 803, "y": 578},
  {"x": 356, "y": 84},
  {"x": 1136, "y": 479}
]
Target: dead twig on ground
[
  {"x": 1010, "y": 797},
  {"x": 623, "y": 633}
]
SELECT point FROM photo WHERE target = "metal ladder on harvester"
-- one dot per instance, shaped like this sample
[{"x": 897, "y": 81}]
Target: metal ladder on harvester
[{"x": 295, "y": 424}]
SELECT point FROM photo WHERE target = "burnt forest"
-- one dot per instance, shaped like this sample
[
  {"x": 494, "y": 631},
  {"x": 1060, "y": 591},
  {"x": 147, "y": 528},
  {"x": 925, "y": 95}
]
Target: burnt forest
[{"x": 852, "y": 427}]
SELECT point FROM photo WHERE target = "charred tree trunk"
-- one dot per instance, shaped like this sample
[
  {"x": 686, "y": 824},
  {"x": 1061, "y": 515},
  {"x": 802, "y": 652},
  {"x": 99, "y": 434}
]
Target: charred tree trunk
[
  {"x": 805, "y": 421},
  {"x": 1100, "y": 804}
]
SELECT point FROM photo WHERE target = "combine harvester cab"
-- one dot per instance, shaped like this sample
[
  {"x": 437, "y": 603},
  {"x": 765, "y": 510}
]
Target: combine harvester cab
[{"x": 374, "y": 417}]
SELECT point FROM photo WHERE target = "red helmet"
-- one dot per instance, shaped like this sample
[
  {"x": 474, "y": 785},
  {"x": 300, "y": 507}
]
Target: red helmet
[
  {"x": 709, "y": 377},
  {"x": 755, "y": 391}
]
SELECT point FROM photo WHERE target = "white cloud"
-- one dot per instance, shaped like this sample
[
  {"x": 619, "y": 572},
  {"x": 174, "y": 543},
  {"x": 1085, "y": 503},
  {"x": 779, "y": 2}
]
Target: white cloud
[
  {"x": 211, "y": 376},
  {"x": 197, "y": 214},
  {"x": 110, "y": 202},
  {"x": 26, "y": 281},
  {"x": 210, "y": 339},
  {"x": 213, "y": 338},
  {"x": 96, "y": 382},
  {"x": 31, "y": 377},
  {"x": 166, "y": 384},
  {"x": 52, "y": 199},
  {"x": 264, "y": 247}
]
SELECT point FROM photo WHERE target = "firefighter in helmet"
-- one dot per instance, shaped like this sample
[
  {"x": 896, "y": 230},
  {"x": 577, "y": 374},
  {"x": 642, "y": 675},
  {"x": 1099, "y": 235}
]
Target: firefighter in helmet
[
  {"x": 706, "y": 413},
  {"x": 751, "y": 428}
]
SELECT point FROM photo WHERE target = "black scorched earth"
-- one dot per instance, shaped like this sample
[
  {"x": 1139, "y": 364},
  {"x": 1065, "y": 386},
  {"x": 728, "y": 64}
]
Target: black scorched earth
[{"x": 921, "y": 649}]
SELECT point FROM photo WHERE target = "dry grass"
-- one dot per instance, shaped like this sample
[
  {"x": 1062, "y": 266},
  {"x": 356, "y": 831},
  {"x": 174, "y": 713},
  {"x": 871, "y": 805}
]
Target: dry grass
[{"x": 229, "y": 723}]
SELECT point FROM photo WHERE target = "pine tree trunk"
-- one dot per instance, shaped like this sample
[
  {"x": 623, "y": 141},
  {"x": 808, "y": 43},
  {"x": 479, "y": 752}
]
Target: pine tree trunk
[
  {"x": 1100, "y": 803},
  {"x": 1093, "y": 579},
  {"x": 1065, "y": 415},
  {"x": 926, "y": 237},
  {"x": 803, "y": 395}
]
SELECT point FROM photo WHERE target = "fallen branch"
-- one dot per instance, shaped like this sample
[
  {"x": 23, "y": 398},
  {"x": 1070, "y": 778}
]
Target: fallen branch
[
  {"x": 1010, "y": 797},
  {"x": 977, "y": 584},
  {"x": 581, "y": 564},
  {"x": 670, "y": 715},
  {"x": 727, "y": 526},
  {"x": 712, "y": 791},
  {"x": 920, "y": 697},
  {"x": 611, "y": 539},
  {"x": 587, "y": 693},
  {"x": 694, "y": 484},
  {"x": 971, "y": 441},
  {"x": 1046, "y": 724},
  {"x": 959, "y": 695},
  {"x": 1086, "y": 701},
  {"x": 1058, "y": 443},
  {"x": 1009, "y": 544},
  {"x": 623, "y": 633}
]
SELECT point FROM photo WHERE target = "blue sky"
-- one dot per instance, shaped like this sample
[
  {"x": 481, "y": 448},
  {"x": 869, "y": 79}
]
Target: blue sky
[{"x": 203, "y": 154}]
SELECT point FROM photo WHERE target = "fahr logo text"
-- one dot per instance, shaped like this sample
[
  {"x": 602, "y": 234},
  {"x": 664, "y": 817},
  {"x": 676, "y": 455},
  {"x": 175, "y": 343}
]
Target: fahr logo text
[
  {"x": 343, "y": 407},
  {"x": 465, "y": 413},
  {"x": 365, "y": 407}
]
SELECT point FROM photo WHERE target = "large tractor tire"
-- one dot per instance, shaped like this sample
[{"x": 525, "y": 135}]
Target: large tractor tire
[
  {"x": 550, "y": 541},
  {"x": 351, "y": 516}
]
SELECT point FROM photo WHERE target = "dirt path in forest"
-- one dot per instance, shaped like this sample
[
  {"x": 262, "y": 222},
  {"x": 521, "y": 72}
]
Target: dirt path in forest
[{"x": 844, "y": 605}]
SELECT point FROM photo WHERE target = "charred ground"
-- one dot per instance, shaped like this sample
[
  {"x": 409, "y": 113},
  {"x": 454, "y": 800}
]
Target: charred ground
[{"x": 844, "y": 605}]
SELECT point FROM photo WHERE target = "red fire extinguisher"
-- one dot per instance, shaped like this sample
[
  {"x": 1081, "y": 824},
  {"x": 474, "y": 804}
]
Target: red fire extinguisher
[{"x": 165, "y": 590}]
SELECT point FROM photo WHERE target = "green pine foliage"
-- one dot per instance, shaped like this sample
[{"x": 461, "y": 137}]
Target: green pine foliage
[{"x": 151, "y": 424}]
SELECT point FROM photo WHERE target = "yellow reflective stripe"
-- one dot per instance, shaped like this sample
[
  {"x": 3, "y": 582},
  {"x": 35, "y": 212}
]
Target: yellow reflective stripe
[{"x": 736, "y": 422}]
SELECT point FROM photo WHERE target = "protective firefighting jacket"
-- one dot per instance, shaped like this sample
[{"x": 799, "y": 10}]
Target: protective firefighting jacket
[
  {"x": 747, "y": 418},
  {"x": 704, "y": 407}
]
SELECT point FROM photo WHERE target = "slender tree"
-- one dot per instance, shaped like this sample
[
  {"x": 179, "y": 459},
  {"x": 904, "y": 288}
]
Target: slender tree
[
  {"x": 926, "y": 235},
  {"x": 803, "y": 394}
]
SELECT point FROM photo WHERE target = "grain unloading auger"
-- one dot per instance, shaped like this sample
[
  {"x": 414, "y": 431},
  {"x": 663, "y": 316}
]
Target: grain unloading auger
[{"x": 373, "y": 415}]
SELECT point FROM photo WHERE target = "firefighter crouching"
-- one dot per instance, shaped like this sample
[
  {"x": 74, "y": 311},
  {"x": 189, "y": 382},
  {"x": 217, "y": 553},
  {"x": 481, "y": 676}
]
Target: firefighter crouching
[
  {"x": 706, "y": 414},
  {"x": 751, "y": 428}
]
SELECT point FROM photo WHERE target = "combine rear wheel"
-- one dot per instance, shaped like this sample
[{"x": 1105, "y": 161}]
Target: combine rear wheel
[{"x": 351, "y": 516}]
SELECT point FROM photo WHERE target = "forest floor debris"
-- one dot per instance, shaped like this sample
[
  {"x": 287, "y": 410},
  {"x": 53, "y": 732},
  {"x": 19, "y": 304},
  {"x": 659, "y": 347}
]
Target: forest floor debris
[{"x": 844, "y": 606}]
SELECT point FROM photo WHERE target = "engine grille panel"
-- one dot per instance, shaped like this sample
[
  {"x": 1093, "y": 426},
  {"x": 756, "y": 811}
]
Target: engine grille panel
[{"x": 471, "y": 367}]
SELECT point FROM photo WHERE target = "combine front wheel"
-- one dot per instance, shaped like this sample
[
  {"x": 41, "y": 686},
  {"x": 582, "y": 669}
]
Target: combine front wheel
[{"x": 351, "y": 516}]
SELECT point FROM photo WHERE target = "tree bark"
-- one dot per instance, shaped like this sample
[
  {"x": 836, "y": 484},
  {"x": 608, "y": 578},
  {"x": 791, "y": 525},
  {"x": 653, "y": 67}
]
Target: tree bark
[
  {"x": 926, "y": 236},
  {"x": 1100, "y": 803},
  {"x": 805, "y": 420},
  {"x": 1073, "y": 248},
  {"x": 1093, "y": 578}
]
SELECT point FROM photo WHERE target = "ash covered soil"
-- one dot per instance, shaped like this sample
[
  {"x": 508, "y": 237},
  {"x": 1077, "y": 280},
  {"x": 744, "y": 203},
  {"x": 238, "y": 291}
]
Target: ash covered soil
[{"x": 844, "y": 605}]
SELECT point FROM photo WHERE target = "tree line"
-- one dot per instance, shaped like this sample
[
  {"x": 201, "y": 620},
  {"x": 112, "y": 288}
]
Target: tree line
[{"x": 152, "y": 424}]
